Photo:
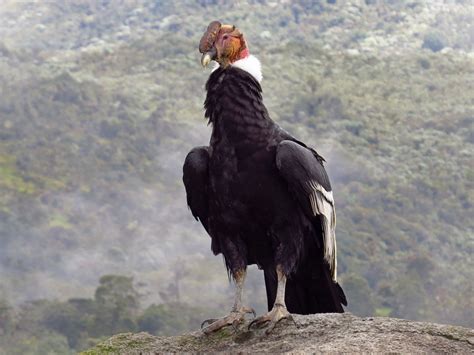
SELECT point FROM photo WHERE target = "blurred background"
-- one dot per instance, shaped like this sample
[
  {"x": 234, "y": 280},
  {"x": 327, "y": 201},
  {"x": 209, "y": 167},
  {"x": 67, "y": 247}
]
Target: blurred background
[{"x": 100, "y": 101}]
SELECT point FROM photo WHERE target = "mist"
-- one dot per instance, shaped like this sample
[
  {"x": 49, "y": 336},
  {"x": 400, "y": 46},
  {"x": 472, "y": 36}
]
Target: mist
[{"x": 100, "y": 103}]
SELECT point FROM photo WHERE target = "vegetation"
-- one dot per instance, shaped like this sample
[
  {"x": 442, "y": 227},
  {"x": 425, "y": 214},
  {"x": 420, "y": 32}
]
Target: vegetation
[
  {"x": 434, "y": 42},
  {"x": 59, "y": 327},
  {"x": 101, "y": 101}
]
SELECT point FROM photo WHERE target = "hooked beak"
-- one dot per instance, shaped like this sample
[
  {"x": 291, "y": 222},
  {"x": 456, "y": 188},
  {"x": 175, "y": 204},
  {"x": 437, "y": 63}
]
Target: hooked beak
[{"x": 208, "y": 56}]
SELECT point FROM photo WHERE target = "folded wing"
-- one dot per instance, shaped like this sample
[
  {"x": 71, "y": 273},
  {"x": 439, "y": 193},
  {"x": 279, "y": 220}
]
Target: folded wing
[
  {"x": 304, "y": 172},
  {"x": 195, "y": 178}
]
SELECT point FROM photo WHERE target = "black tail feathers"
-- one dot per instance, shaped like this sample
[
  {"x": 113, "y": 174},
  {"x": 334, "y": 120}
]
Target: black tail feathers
[
  {"x": 308, "y": 291},
  {"x": 341, "y": 294}
]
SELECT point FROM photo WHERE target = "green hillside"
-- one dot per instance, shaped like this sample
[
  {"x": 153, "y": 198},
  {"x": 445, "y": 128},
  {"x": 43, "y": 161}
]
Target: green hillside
[{"x": 101, "y": 101}]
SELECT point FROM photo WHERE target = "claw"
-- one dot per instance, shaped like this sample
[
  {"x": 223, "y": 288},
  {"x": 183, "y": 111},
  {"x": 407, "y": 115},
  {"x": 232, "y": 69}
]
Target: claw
[
  {"x": 273, "y": 317},
  {"x": 218, "y": 324},
  {"x": 271, "y": 327},
  {"x": 209, "y": 321},
  {"x": 234, "y": 318},
  {"x": 254, "y": 313},
  {"x": 293, "y": 320},
  {"x": 289, "y": 316},
  {"x": 273, "y": 324},
  {"x": 257, "y": 321},
  {"x": 249, "y": 310}
]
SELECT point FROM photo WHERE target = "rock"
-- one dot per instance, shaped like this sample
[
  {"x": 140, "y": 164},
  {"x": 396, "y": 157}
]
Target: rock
[
  {"x": 168, "y": 21},
  {"x": 4, "y": 51},
  {"x": 40, "y": 27},
  {"x": 352, "y": 52},
  {"x": 446, "y": 50},
  {"x": 344, "y": 333},
  {"x": 266, "y": 35},
  {"x": 327, "y": 47}
]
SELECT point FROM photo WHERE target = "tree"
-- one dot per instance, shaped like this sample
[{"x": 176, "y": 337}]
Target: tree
[
  {"x": 45, "y": 342},
  {"x": 410, "y": 297},
  {"x": 64, "y": 318},
  {"x": 434, "y": 42},
  {"x": 117, "y": 304}
]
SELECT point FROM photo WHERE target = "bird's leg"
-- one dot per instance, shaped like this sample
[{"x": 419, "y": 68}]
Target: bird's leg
[
  {"x": 278, "y": 311},
  {"x": 238, "y": 312}
]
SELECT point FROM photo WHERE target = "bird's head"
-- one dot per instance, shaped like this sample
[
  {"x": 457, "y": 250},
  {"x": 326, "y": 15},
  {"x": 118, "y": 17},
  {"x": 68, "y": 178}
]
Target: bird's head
[{"x": 223, "y": 43}]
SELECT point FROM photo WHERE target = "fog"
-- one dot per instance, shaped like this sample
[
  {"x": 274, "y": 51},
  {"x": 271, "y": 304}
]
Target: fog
[{"x": 101, "y": 101}]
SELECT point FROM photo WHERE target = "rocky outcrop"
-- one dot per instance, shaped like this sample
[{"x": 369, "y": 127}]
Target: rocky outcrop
[{"x": 314, "y": 333}]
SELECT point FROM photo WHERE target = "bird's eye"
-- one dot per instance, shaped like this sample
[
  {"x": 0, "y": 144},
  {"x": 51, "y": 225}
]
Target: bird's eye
[{"x": 225, "y": 37}]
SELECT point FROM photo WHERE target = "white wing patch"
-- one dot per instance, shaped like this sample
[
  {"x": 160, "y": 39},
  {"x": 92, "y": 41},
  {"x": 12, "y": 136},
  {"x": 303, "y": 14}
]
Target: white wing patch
[{"x": 322, "y": 204}]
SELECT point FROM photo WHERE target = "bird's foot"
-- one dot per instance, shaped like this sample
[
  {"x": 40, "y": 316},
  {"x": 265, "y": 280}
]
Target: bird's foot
[
  {"x": 235, "y": 317},
  {"x": 272, "y": 318}
]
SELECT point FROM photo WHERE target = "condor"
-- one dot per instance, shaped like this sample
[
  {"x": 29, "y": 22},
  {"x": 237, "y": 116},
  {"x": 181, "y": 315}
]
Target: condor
[{"x": 263, "y": 196}]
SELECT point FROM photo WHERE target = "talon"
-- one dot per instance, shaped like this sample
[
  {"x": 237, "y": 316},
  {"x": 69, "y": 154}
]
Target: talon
[
  {"x": 258, "y": 322},
  {"x": 218, "y": 324},
  {"x": 270, "y": 329},
  {"x": 235, "y": 317},
  {"x": 279, "y": 320},
  {"x": 209, "y": 321},
  {"x": 273, "y": 317},
  {"x": 251, "y": 323},
  {"x": 250, "y": 310}
]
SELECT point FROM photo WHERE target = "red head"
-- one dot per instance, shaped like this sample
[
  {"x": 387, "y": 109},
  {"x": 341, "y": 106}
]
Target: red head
[{"x": 223, "y": 43}]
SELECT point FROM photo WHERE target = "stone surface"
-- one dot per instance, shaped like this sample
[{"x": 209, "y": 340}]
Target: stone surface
[{"x": 314, "y": 333}]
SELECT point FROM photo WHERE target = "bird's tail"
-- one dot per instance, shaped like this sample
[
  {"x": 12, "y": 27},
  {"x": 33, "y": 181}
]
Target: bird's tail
[{"x": 309, "y": 290}]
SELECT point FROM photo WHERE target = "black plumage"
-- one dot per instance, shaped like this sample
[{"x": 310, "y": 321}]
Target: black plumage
[{"x": 260, "y": 194}]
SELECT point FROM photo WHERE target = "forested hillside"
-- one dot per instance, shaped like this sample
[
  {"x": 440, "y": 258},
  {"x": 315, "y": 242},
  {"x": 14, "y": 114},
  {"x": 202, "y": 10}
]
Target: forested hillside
[{"x": 100, "y": 101}]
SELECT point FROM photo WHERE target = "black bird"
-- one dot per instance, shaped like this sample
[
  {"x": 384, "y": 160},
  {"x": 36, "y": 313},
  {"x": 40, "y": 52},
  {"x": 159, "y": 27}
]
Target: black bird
[{"x": 263, "y": 196}]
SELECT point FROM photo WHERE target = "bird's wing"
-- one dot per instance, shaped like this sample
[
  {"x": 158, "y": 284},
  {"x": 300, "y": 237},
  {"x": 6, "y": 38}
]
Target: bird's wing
[
  {"x": 303, "y": 170},
  {"x": 195, "y": 178}
]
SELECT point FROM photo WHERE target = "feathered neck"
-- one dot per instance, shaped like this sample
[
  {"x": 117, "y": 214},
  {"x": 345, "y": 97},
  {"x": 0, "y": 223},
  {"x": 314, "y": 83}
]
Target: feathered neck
[{"x": 250, "y": 64}]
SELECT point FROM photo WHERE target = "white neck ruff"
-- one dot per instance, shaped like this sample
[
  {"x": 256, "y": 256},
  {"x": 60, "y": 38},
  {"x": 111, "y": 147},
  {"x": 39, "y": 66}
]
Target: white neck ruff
[{"x": 250, "y": 64}]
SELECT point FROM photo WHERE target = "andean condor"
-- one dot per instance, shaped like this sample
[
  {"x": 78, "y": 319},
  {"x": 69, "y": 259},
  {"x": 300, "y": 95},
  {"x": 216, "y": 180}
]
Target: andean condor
[{"x": 263, "y": 196}]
